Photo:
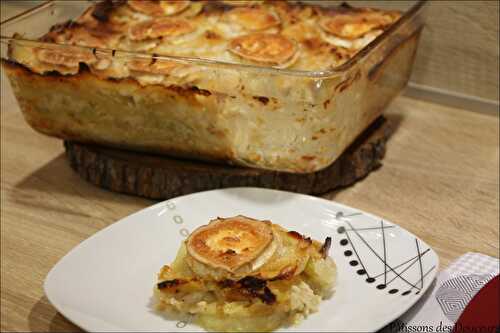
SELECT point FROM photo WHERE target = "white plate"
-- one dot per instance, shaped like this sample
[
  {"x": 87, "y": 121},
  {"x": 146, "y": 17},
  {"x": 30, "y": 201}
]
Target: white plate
[{"x": 106, "y": 282}]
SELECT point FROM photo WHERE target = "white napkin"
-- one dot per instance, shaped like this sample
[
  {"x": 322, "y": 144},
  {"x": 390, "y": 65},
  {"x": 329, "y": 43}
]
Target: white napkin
[{"x": 444, "y": 302}]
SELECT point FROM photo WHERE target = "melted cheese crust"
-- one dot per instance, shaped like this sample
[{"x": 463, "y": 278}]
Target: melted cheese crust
[
  {"x": 239, "y": 246},
  {"x": 230, "y": 243},
  {"x": 353, "y": 25},
  {"x": 263, "y": 33},
  {"x": 159, "y": 8},
  {"x": 289, "y": 278},
  {"x": 272, "y": 49},
  {"x": 253, "y": 18},
  {"x": 160, "y": 27}
]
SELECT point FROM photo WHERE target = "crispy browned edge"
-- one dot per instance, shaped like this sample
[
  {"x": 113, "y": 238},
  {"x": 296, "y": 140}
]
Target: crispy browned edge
[
  {"x": 104, "y": 8},
  {"x": 252, "y": 286},
  {"x": 84, "y": 73},
  {"x": 16, "y": 69},
  {"x": 101, "y": 12},
  {"x": 84, "y": 76}
]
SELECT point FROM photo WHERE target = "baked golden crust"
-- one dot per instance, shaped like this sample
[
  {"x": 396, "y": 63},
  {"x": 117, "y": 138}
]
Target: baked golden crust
[
  {"x": 356, "y": 24},
  {"x": 236, "y": 247},
  {"x": 263, "y": 33},
  {"x": 230, "y": 243},
  {"x": 67, "y": 56},
  {"x": 271, "y": 49},
  {"x": 159, "y": 8},
  {"x": 253, "y": 18},
  {"x": 248, "y": 119},
  {"x": 160, "y": 27},
  {"x": 241, "y": 2},
  {"x": 288, "y": 122},
  {"x": 153, "y": 67},
  {"x": 289, "y": 284}
]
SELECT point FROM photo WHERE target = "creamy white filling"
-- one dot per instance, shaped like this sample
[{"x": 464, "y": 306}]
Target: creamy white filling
[
  {"x": 336, "y": 40},
  {"x": 140, "y": 16},
  {"x": 266, "y": 254},
  {"x": 357, "y": 43},
  {"x": 148, "y": 79}
]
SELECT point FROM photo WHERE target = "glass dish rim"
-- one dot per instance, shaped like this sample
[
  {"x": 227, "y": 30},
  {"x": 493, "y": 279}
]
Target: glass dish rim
[{"x": 414, "y": 10}]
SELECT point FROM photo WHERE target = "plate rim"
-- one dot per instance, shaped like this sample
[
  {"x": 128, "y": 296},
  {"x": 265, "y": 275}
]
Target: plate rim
[{"x": 53, "y": 270}]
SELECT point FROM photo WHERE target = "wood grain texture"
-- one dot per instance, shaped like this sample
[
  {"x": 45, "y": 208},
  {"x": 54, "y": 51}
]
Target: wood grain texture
[
  {"x": 439, "y": 180},
  {"x": 160, "y": 177}
]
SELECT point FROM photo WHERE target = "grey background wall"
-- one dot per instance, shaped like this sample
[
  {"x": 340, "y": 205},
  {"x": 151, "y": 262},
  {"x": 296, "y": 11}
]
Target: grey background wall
[
  {"x": 458, "y": 53},
  {"x": 459, "y": 49}
]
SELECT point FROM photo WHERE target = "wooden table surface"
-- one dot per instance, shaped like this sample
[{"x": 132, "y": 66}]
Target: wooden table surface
[{"x": 439, "y": 180}]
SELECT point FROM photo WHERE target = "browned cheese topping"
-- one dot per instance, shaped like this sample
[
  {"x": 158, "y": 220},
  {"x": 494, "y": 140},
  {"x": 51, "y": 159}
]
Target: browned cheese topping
[
  {"x": 264, "y": 33},
  {"x": 253, "y": 18},
  {"x": 352, "y": 25},
  {"x": 159, "y": 8},
  {"x": 160, "y": 27},
  {"x": 271, "y": 49},
  {"x": 230, "y": 243}
]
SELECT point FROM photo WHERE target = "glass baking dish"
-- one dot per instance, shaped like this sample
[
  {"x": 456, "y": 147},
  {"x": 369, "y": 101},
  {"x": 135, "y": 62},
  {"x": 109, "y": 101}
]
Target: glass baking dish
[{"x": 248, "y": 115}]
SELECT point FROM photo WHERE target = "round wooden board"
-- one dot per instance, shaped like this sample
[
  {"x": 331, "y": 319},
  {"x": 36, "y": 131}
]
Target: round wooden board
[{"x": 160, "y": 177}]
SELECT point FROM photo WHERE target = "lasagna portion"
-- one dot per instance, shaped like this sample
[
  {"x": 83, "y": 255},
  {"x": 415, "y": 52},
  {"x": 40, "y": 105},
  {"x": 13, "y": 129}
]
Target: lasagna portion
[
  {"x": 273, "y": 33},
  {"x": 240, "y": 274}
]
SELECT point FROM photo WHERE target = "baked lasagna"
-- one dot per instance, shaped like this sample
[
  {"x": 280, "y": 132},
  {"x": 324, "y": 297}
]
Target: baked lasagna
[
  {"x": 240, "y": 274},
  {"x": 252, "y": 83}
]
